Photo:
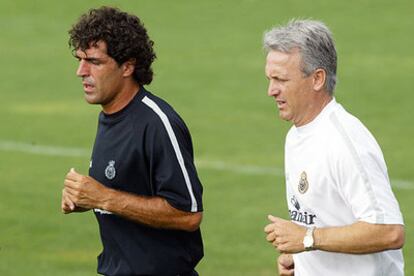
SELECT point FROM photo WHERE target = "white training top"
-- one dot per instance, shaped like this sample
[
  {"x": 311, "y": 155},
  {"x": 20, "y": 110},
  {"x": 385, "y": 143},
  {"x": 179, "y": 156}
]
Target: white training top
[{"x": 335, "y": 176}]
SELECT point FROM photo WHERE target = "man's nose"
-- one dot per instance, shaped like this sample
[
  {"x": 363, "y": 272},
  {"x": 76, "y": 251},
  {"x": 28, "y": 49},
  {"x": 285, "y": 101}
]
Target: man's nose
[
  {"x": 273, "y": 90},
  {"x": 83, "y": 69}
]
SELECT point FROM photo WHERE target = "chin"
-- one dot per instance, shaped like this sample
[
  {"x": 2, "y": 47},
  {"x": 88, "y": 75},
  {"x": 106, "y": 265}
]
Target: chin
[
  {"x": 91, "y": 100},
  {"x": 284, "y": 116}
]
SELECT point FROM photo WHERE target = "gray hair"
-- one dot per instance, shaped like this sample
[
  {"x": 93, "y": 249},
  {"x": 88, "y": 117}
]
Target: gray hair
[{"x": 315, "y": 43}]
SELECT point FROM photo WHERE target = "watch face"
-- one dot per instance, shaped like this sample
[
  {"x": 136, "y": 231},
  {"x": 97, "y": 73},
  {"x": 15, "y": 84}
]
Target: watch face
[{"x": 308, "y": 241}]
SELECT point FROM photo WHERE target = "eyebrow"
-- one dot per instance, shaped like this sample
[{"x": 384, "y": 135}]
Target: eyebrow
[
  {"x": 88, "y": 58},
  {"x": 276, "y": 75}
]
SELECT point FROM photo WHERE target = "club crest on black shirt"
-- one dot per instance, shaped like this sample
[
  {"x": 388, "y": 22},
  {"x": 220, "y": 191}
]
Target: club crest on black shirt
[{"x": 110, "y": 171}]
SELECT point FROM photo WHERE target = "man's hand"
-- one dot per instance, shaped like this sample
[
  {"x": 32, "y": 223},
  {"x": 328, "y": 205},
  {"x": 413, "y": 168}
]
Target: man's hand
[
  {"x": 67, "y": 205},
  {"x": 81, "y": 193},
  {"x": 286, "y": 236},
  {"x": 285, "y": 265}
]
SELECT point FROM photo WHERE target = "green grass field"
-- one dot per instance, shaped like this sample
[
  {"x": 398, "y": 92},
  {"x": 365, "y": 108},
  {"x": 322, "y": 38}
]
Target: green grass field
[{"x": 210, "y": 67}]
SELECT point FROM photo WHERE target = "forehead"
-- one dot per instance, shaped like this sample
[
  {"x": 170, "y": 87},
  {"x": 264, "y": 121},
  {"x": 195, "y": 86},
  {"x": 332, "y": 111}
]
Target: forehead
[
  {"x": 97, "y": 49},
  {"x": 280, "y": 61}
]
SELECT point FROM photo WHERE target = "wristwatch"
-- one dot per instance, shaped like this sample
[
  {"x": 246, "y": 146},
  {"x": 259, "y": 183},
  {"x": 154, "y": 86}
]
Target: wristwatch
[{"x": 308, "y": 239}]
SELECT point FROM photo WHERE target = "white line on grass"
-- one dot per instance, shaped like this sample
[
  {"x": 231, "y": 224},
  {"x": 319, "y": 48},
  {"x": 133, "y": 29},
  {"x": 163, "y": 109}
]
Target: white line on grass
[
  {"x": 202, "y": 163},
  {"x": 42, "y": 149}
]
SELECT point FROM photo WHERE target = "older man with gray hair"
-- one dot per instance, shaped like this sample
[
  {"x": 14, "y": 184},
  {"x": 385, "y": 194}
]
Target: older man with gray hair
[{"x": 344, "y": 217}]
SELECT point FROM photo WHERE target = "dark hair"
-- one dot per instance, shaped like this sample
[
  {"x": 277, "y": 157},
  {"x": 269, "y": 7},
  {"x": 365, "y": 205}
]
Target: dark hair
[{"x": 124, "y": 34}]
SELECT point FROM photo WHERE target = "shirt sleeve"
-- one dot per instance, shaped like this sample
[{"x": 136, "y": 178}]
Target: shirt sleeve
[
  {"x": 363, "y": 182},
  {"x": 173, "y": 173}
]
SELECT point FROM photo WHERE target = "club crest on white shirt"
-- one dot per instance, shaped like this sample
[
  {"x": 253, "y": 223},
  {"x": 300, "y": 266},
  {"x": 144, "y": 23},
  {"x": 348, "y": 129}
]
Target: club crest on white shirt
[
  {"x": 110, "y": 171},
  {"x": 303, "y": 183}
]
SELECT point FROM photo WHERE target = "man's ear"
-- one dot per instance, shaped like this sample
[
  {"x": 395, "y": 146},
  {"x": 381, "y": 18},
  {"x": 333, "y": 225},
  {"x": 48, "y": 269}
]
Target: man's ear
[
  {"x": 128, "y": 67},
  {"x": 319, "y": 79}
]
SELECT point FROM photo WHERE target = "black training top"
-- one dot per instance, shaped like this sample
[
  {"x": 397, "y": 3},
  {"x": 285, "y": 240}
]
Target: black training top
[{"x": 146, "y": 149}]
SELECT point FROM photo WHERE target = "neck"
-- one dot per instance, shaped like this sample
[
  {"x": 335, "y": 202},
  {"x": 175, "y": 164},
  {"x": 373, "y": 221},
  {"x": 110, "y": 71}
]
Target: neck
[
  {"x": 314, "y": 109},
  {"x": 122, "y": 99}
]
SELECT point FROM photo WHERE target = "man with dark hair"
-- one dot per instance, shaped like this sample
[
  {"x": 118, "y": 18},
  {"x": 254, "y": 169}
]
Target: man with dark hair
[
  {"x": 342, "y": 210},
  {"x": 142, "y": 185}
]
